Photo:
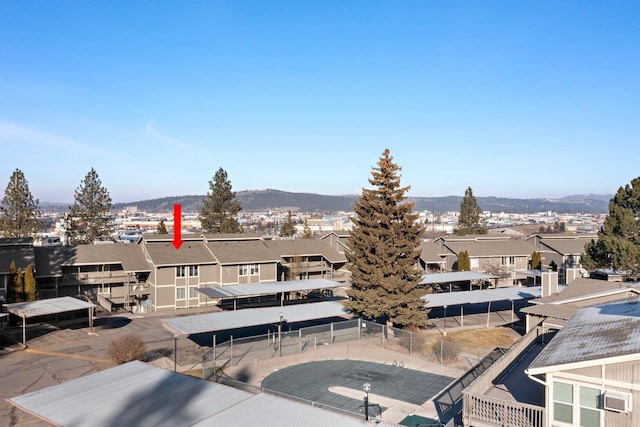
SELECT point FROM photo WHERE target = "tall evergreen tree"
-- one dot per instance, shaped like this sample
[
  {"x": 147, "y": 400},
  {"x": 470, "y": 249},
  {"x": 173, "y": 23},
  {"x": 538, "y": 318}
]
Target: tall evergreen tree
[
  {"x": 19, "y": 213},
  {"x": 464, "y": 262},
  {"x": 19, "y": 285},
  {"x": 470, "y": 220},
  {"x": 30, "y": 291},
  {"x": 618, "y": 245},
  {"x": 288, "y": 229},
  {"x": 385, "y": 250},
  {"x": 306, "y": 231},
  {"x": 90, "y": 216},
  {"x": 219, "y": 209}
]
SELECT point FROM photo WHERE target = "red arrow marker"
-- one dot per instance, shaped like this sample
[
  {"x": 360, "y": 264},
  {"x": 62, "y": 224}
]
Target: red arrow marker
[{"x": 177, "y": 226}]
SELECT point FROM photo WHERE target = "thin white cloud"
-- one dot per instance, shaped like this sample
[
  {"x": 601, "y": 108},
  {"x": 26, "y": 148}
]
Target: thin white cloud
[
  {"x": 153, "y": 131},
  {"x": 15, "y": 133}
]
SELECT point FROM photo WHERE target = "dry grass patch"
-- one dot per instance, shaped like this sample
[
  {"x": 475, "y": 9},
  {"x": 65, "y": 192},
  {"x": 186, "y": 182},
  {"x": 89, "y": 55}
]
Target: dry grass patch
[{"x": 485, "y": 338}]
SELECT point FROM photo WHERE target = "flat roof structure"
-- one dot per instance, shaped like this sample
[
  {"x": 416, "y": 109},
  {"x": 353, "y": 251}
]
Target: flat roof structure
[
  {"x": 143, "y": 395},
  {"x": 512, "y": 293},
  {"x": 221, "y": 321},
  {"x": 454, "y": 276},
  {"x": 269, "y": 288},
  {"x": 45, "y": 307}
]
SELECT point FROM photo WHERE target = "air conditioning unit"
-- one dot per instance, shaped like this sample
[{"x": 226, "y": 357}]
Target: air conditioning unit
[{"x": 617, "y": 401}]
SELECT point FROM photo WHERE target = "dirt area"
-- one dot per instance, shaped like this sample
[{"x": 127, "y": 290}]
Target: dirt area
[{"x": 502, "y": 337}]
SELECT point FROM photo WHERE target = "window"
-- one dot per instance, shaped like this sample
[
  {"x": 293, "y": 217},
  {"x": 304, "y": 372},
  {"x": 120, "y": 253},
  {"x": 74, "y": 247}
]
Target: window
[
  {"x": 585, "y": 406},
  {"x": 508, "y": 260},
  {"x": 181, "y": 292},
  {"x": 193, "y": 271},
  {"x": 255, "y": 269},
  {"x": 589, "y": 407},
  {"x": 181, "y": 271},
  {"x": 243, "y": 270},
  {"x": 193, "y": 292},
  {"x": 563, "y": 402}
]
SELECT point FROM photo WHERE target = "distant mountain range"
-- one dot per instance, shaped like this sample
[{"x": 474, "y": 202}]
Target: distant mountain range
[{"x": 261, "y": 200}]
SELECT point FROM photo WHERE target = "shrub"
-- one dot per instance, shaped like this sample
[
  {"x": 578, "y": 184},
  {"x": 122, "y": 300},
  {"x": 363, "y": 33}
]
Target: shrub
[{"x": 126, "y": 348}]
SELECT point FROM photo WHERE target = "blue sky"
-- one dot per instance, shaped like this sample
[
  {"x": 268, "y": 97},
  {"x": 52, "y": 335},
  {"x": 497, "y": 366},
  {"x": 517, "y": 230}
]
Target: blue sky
[{"x": 515, "y": 99}]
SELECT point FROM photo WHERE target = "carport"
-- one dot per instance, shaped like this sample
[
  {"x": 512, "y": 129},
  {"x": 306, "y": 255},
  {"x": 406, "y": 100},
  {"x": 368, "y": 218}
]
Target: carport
[
  {"x": 448, "y": 299},
  {"x": 237, "y": 292},
  {"x": 45, "y": 307}
]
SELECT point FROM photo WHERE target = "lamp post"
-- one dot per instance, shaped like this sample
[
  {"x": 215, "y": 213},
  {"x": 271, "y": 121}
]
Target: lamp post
[
  {"x": 280, "y": 334},
  {"x": 175, "y": 352},
  {"x": 367, "y": 388}
]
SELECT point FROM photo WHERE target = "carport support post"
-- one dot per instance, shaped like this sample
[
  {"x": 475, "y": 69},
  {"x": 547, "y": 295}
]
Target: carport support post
[
  {"x": 331, "y": 338},
  {"x": 488, "y": 313},
  {"x": 444, "y": 322},
  {"x": 24, "y": 331},
  {"x": 91, "y": 321},
  {"x": 511, "y": 311},
  {"x": 462, "y": 315}
]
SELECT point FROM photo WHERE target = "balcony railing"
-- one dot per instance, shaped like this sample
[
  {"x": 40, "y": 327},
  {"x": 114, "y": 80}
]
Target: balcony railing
[{"x": 98, "y": 277}]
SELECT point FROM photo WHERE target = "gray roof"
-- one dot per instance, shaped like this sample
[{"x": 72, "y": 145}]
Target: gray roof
[
  {"x": 231, "y": 236},
  {"x": 44, "y": 307},
  {"x": 583, "y": 288},
  {"x": 22, "y": 256},
  {"x": 594, "y": 333},
  {"x": 475, "y": 297},
  {"x": 268, "y": 288},
  {"x": 567, "y": 246},
  {"x": 305, "y": 247},
  {"x": 433, "y": 253},
  {"x": 49, "y": 260},
  {"x": 191, "y": 252},
  {"x": 221, "y": 321},
  {"x": 493, "y": 248},
  {"x": 137, "y": 394},
  {"x": 453, "y": 276},
  {"x": 556, "y": 311},
  {"x": 247, "y": 251}
]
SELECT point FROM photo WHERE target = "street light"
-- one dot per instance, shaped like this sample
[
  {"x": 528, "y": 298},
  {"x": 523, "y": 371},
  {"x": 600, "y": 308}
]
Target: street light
[
  {"x": 280, "y": 334},
  {"x": 367, "y": 388}
]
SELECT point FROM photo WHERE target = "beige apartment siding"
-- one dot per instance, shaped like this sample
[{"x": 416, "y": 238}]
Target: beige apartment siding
[
  {"x": 229, "y": 275},
  {"x": 624, "y": 372},
  {"x": 166, "y": 276},
  {"x": 588, "y": 372},
  {"x": 268, "y": 272},
  {"x": 119, "y": 291},
  {"x": 166, "y": 297},
  {"x": 209, "y": 273}
]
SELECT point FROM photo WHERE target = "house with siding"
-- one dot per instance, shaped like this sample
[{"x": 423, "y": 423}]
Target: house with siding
[
  {"x": 562, "y": 252},
  {"x": 18, "y": 251}
]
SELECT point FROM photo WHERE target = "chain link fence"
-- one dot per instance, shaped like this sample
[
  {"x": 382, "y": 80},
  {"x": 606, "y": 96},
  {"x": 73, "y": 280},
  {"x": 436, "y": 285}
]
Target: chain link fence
[{"x": 432, "y": 347}]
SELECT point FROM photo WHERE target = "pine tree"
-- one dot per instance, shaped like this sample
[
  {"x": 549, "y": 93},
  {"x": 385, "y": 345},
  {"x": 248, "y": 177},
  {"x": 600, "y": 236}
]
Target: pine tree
[
  {"x": 536, "y": 260},
  {"x": 90, "y": 215},
  {"x": 30, "y": 291},
  {"x": 162, "y": 228},
  {"x": 464, "y": 262},
  {"x": 288, "y": 229},
  {"x": 470, "y": 220},
  {"x": 219, "y": 210},
  {"x": 385, "y": 251},
  {"x": 19, "y": 213},
  {"x": 306, "y": 231},
  {"x": 618, "y": 245}
]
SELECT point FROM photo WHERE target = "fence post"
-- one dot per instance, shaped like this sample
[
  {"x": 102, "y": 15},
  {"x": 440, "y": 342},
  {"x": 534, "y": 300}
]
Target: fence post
[{"x": 359, "y": 328}]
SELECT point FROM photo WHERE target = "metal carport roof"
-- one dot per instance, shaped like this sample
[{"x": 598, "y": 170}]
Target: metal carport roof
[
  {"x": 269, "y": 288},
  {"x": 44, "y": 307},
  {"x": 454, "y": 276},
  {"x": 213, "y": 322},
  {"x": 512, "y": 293},
  {"x": 146, "y": 396}
]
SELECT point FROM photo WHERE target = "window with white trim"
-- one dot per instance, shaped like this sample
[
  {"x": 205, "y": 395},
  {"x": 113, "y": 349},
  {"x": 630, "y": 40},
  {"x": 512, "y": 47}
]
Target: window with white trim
[
  {"x": 243, "y": 270},
  {"x": 508, "y": 260},
  {"x": 577, "y": 402},
  {"x": 193, "y": 292},
  {"x": 255, "y": 269},
  {"x": 193, "y": 271},
  {"x": 181, "y": 292},
  {"x": 181, "y": 271}
]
